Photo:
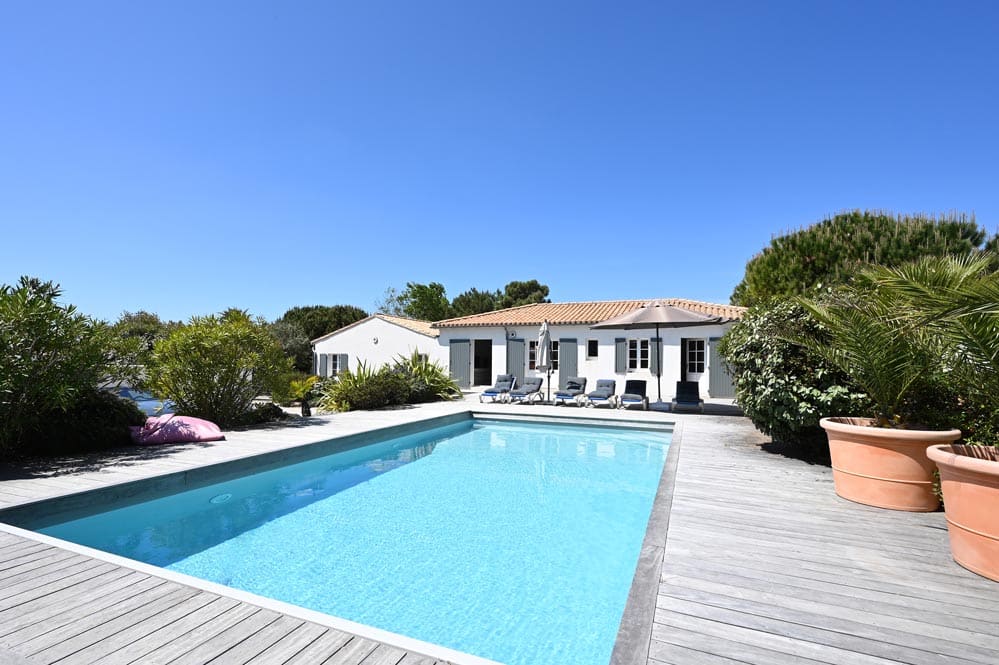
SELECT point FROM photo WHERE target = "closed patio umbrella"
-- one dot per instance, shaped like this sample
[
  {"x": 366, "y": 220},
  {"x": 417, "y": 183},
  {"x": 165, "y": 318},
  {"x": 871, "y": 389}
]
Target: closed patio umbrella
[
  {"x": 544, "y": 359},
  {"x": 656, "y": 314}
]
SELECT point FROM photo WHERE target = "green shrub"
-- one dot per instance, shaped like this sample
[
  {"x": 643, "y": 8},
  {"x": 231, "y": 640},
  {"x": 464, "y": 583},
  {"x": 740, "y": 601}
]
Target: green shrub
[
  {"x": 782, "y": 387},
  {"x": 215, "y": 366},
  {"x": 96, "y": 420},
  {"x": 52, "y": 360},
  {"x": 364, "y": 389},
  {"x": 428, "y": 381}
]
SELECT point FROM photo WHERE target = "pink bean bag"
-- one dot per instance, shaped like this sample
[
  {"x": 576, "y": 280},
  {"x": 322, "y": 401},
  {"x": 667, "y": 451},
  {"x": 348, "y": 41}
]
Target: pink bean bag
[{"x": 170, "y": 428}]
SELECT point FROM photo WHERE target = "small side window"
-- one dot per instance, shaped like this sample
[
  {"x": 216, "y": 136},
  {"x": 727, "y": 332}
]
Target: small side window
[{"x": 592, "y": 348}]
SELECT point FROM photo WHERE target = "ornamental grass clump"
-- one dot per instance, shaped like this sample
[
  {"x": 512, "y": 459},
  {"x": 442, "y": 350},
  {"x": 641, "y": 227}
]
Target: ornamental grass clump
[{"x": 409, "y": 380}]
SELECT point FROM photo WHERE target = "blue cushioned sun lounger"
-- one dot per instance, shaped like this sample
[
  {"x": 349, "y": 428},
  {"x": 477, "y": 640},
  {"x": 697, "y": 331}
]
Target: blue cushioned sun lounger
[
  {"x": 604, "y": 394},
  {"x": 529, "y": 392},
  {"x": 574, "y": 387},
  {"x": 504, "y": 384}
]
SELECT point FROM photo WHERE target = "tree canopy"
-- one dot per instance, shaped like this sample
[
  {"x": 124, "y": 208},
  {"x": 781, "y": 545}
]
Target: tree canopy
[
  {"x": 318, "y": 320},
  {"x": 429, "y": 302},
  {"x": 474, "y": 301},
  {"x": 523, "y": 293},
  {"x": 830, "y": 251}
]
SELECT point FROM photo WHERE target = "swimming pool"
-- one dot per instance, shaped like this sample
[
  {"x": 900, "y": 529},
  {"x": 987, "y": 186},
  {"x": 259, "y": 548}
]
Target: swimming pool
[{"x": 515, "y": 542}]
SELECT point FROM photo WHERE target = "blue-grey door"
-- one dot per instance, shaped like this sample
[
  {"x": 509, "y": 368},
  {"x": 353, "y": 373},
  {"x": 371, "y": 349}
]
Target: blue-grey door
[
  {"x": 719, "y": 380},
  {"x": 461, "y": 362},
  {"x": 568, "y": 361},
  {"x": 515, "y": 359}
]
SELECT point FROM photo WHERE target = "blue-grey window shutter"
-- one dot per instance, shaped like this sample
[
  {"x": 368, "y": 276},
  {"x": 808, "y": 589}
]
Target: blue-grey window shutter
[
  {"x": 655, "y": 353},
  {"x": 323, "y": 364},
  {"x": 341, "y": 363},
  {"x": 620, "y": 355},
  {"x": 315, "y": 363}
]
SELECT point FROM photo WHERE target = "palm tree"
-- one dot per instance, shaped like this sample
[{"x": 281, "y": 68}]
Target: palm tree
[
  {"x": 883, "y": 353},
  {"x": 955, "y": 299}
]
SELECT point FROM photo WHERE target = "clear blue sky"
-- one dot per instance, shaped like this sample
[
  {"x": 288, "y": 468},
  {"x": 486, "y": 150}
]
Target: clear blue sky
[{"x": 184, "y": 157}]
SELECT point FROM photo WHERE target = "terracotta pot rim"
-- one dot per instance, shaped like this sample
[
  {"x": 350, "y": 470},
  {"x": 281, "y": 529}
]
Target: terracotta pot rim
[
  {"x": 944, "y": 455},
  {"x": 847, "y": 424}
]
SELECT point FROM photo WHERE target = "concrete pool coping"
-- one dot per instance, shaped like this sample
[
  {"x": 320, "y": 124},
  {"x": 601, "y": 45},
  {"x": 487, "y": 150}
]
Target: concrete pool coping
[{"x": 637, "y": 621}]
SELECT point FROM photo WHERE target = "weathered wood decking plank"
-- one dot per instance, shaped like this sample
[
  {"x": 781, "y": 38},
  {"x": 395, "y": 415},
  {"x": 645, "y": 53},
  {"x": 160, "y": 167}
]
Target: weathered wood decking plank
[
  {"x": 321, "y": 648},
  {"x": 149, "y": 640},
  {"x": 185, "y": 642},
  {"x": 289, "y": 645},
  {"x": 57, "y": 644},
  {"x": 219, "y": 644},
  {"x": 263, "y": 639},
  {"x": 114, "y": 635},
  {"x": 352, "y": 653}
]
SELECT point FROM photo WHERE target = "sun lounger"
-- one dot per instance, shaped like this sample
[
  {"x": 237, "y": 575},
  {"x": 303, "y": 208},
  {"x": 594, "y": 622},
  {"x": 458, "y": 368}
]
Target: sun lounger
[
  {"x": 529, "y": 392},
  {"x": 575, "y": 386},
  {"x": 504, "y": 384},
  {"x": 634, "y": 393},
  {"x": 604, "y": 394},
  {"x": 688, "y": 397}
]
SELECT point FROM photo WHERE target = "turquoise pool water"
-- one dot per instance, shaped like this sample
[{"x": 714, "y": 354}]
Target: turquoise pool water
[{"x": 514, "y": 542}]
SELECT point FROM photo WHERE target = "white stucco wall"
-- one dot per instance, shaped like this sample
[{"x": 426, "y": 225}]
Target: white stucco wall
[
  {"x": 601, "y": 367},
  {"x": 358, "y": 342}
]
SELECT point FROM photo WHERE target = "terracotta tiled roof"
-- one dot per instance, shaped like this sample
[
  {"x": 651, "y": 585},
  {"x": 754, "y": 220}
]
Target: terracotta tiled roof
[
  {"x": 581, "y": 313},
  {"x": 422, "y": 327}
]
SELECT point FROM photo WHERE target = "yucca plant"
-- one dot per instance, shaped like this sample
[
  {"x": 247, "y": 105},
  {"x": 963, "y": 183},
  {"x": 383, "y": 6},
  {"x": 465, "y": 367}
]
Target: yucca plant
[{"x": 428, "y": 379}]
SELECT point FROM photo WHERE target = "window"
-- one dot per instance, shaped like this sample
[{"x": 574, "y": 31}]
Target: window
[
  {"x": 331, "y": 364},
  {"x": 592, "y": 348},
  {"x": 638, "y": 354},
  {"x": 532, "y": 355},
  {"x": 695, "y": 356}
]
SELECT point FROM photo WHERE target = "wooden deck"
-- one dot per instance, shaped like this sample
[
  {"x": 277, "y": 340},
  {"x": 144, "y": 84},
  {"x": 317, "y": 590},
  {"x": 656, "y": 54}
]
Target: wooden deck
[
  {"x": 763, "y": 564},
  {"x": 57, "y": 606}
]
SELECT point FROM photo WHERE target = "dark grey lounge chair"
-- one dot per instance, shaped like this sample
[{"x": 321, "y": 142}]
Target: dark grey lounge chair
[
  {"x": 688, "y": 397},
  {"x": 574, "y": 387},
  {"x": 634, "y": 393},
  {"x": 504, "y": 384},
  {"x": 529, "y": 392},
  {"x": 604, "y": 394}
]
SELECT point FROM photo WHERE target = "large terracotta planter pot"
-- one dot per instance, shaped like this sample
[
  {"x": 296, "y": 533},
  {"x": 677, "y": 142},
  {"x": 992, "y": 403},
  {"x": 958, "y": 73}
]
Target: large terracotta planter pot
[
  {"x": 883, "y": 467},
  {"x": 969, "y": 476}
]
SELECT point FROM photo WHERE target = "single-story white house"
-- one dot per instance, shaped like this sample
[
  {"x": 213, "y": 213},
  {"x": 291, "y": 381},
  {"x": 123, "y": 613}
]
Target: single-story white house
[
  {"x": 481, "y": 346},
  {"x": 376, "y": 340}
]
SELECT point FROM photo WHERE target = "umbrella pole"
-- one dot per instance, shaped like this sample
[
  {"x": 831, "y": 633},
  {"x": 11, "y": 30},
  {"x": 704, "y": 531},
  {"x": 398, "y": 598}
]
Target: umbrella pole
[{"x": 659, "y": 364}]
